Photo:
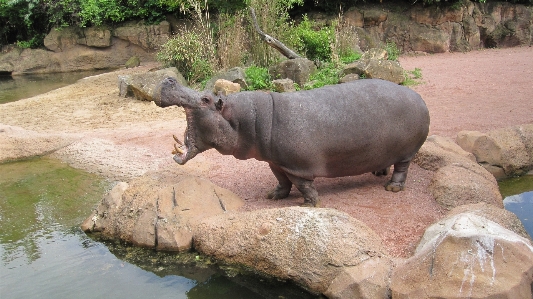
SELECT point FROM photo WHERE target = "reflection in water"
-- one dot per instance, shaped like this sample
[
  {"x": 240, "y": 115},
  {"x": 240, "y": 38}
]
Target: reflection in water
[
  {"x": 38, "y": 195},
  {"x": 13, "y": 88},
  {"x": 518, "y": 198},
  {"x": 46, "y": 255}
]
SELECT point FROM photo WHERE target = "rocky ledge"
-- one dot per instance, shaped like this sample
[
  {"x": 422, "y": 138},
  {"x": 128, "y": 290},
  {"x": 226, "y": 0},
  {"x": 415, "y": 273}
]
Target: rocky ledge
[{"x": 477, "y": 248}]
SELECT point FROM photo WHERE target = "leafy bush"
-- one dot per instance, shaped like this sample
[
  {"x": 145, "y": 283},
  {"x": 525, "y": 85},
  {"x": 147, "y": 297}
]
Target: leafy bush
[
  {"x": 189, "y": 53},
  {"x": 258, "y": 78},
  {"x": 316, "y": 44}
]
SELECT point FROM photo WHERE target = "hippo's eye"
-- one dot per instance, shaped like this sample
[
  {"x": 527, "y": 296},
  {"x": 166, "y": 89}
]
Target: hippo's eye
[{"x": 205, "y": 100}]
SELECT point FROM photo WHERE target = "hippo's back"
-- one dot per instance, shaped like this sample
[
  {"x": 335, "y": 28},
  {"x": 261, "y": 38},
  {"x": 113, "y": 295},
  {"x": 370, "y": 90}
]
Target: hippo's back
[{"x": 347, "y": 129}]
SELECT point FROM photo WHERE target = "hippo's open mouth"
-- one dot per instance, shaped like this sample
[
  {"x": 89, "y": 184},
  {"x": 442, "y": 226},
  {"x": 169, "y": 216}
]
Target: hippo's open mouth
[{"x": 184, "y": 152}]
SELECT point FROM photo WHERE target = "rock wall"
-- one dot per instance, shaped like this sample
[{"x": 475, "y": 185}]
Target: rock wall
[
  {"x": 416, "y": 28},
  {"x": 77, "y": 49},
  {"x": 435, "y": 29}
]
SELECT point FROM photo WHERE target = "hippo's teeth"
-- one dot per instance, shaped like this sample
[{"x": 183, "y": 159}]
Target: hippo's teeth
[
  {"x": 177, "y": 150},
  {"x": 177, "y": 140}
]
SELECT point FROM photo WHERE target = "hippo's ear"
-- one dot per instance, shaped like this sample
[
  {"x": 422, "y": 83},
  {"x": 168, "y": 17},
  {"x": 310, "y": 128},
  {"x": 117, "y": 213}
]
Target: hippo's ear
[{"x": 219, "y": 104}]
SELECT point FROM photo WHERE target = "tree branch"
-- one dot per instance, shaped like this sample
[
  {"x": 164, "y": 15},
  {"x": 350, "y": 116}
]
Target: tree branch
[{"x": 274, "y": 43}]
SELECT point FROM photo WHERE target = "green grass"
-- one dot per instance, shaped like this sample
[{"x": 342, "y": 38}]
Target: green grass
[{"x": 412, "y": 78}]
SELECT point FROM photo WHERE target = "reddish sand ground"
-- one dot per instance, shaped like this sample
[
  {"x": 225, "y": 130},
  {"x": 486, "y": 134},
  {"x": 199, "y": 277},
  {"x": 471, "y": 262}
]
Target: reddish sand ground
[
  {"x": 479, "y": 90},
  {"x": 121, "y": 138}
]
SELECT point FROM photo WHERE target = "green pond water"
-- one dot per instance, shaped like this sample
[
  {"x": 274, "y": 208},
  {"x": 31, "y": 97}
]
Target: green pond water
[
  {"x": 44, "y": 254},
  {"x": 14, "y": 88}
]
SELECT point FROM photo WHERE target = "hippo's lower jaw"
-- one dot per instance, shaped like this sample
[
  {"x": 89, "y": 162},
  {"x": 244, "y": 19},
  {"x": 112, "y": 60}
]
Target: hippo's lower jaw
[
  {"x": 180, "y": 159},
  {"x": 183, "y": 153}
]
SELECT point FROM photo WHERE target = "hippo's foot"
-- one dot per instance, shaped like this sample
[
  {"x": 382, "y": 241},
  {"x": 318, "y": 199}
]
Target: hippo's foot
[
  {"x": 311, "y": 203},
  {"x": 280, "y": 192},
  {"x": 382, "y": 172},
  {"x": 395, "y": 186}
]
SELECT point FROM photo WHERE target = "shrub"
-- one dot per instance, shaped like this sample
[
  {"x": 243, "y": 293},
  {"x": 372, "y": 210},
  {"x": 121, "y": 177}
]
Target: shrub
[
  {"x": 316, "y": 44},
  {"x": 328, "y": 74},
  {"x": 190, "y": 54},
  {"x": 258, "y": 78}
]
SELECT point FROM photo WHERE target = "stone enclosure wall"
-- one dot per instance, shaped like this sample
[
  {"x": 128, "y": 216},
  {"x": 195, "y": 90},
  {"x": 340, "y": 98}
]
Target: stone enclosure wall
[
  {"x": 467, "y": 27},
  {"x": 417, "y": 28}
]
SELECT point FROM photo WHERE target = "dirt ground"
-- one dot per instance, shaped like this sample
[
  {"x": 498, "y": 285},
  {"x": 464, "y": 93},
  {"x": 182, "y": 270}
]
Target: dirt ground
[{"x": 121, "y": 138}]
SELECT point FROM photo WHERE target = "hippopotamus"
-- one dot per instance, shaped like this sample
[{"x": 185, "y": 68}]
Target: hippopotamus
[{"x": 334, "y": 131}]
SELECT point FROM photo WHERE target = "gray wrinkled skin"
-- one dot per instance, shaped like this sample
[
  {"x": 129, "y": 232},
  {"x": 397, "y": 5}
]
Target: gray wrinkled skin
[{"x": 341, "y": 130}]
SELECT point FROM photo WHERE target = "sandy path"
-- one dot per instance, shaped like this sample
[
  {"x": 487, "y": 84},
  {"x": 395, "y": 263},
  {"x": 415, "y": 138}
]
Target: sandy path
[{"x": 121, "y": 138}]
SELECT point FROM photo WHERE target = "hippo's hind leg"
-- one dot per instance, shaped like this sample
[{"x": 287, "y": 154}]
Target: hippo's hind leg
[
  {"x": 399, "y": 175},
  {"x": 308, "y": 191},
  {"x": 283, "y": 189}
]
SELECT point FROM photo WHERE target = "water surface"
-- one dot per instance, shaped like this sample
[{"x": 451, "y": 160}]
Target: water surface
[
  {"x": 518, "y": 198},
  {"x": 44, "y": 254},
  {"x": 13, "y": 88}
]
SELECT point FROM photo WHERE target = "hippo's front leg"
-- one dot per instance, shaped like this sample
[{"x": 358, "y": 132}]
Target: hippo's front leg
[{"x": 284, "y": 187}]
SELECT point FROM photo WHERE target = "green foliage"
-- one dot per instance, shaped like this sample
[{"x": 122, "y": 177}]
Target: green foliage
[
  {"x": 315, "y": 43},
  {"x": 22, "y": 21},
  {"x": 98, "y": 12},
  {"x": 328, "y": 74},
  {"x": 417, "y": 73},
  {"x": 349, "y": 56},
  {"x": 189, "y": 53},
  {"x": 30, "y": 20},
  {"x": 23, "y": 44},
  {"x": 258, "y": 78},
  {"x": 412, "y": 78},
  {"x": 392, "y": 51}
]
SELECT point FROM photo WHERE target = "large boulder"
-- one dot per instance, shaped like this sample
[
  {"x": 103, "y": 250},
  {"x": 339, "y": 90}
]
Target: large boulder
[
  {"x": 323, "y": 250},
  {"x": 466, "y": 256},
  {"x": 235, "y": 75},
  {"x": 61, "y": 39},
  {"x": 149, "y": 37},
  {"x": 453, "y": 186},
  {"x": 284, "y": 85},
  {"x": 298, "y": 70},
  {"x": 458, "y": 179},
  {"x": 501, "y": 216},
  {"x": 142, "y": 86},
  {"x": 374, "y": 64},
  {"x": 98, "y": 37},
  {"x": 225, "y": 87},
  {"x": 428, "y": 39},
  {"x": 152, "y": 213},
  {"x": 503, "y": 152}
]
